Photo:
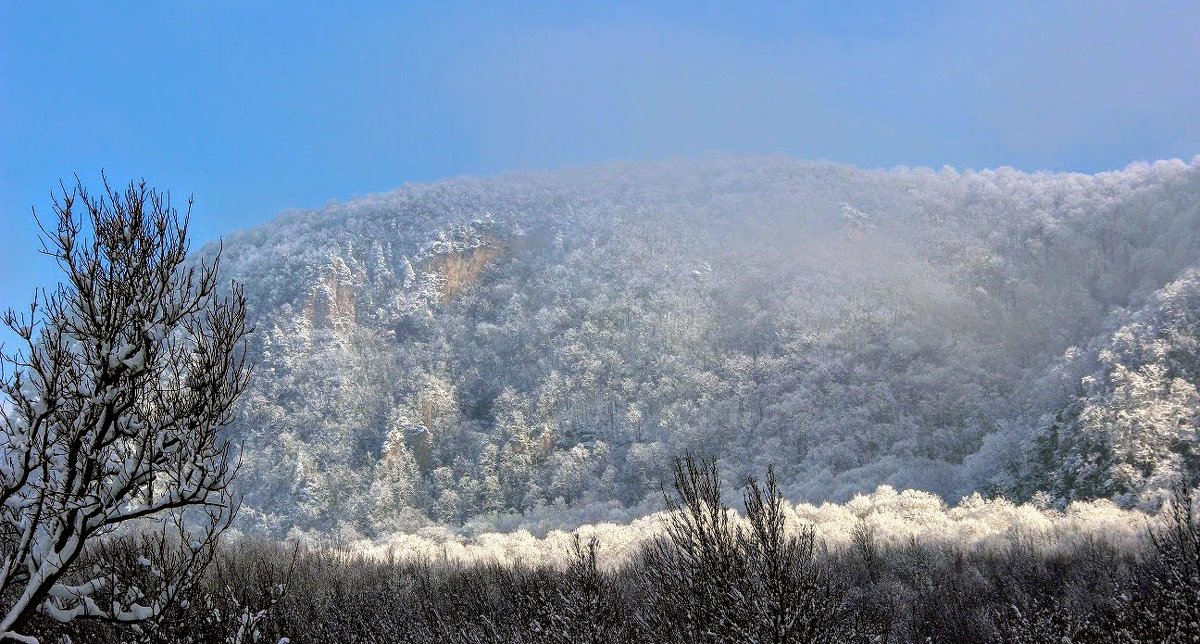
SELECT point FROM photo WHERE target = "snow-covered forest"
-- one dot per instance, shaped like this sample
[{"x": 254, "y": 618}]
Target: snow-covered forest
[
  {"x": 615, "y": 322},
  {"x": 536, "y": 349},
  {"x": 732, "y": 400}
]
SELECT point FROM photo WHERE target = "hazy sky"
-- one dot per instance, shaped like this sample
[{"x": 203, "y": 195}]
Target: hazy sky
[{"x": 260, "y": 106}]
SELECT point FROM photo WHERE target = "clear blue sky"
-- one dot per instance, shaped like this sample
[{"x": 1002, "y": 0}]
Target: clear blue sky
[{"x": 256, "y": 107}]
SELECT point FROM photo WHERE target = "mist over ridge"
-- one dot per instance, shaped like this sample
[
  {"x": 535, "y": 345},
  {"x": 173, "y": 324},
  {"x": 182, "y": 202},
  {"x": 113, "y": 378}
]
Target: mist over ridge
[{"x": 475, "y": 348}]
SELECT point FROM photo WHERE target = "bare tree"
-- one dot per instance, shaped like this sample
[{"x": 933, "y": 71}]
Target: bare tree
[
  {"x": 1168, "y": 609},
  {"x": 695, "y": 573},
  {"x": 715, "y": 579},
  {"x": 793, "y": 598},
  {"x": 110, "y": 412}
]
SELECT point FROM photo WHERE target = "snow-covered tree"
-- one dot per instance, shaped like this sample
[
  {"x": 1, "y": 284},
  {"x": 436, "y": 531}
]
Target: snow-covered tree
[
  {"x": 111, "y": 412},
  {"x": 396, "y": 482}
]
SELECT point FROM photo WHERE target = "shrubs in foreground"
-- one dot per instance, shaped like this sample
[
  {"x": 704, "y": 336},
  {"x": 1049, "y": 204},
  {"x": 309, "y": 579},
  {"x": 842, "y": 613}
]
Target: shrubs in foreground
[{"x": 709, "y": 578}]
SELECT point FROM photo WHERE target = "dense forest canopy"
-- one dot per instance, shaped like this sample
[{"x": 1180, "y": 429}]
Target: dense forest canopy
[{"x": 540, "y": 343}]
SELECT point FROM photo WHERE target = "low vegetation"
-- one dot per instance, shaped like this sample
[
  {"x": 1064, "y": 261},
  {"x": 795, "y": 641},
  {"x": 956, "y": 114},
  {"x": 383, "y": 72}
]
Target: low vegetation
[{"x": 711, "y": 575}]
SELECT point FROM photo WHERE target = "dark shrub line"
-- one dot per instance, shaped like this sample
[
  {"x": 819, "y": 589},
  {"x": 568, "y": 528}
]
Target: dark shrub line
[{"x": 709, "y": 578}]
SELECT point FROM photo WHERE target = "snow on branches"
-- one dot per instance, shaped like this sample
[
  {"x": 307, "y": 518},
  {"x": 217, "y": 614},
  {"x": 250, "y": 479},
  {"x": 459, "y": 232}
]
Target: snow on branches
[{"x": 112, "y": 409}]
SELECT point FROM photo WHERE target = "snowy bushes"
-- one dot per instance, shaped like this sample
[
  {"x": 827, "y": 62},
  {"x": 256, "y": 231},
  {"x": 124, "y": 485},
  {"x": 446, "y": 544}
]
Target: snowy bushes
[
  {"x": 709, "y": 575},
  {"x": 1169, "y": 604},
  {"x": 897, "y": 518},
  {"x": 711, "y": 579}
]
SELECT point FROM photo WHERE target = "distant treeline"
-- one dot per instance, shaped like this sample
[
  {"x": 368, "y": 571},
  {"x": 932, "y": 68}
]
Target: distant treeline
[{"x": 710, "y": 577}]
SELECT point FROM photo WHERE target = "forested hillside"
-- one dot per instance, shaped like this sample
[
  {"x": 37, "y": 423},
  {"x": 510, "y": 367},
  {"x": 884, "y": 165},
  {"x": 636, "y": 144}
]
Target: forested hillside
[{"x": 548, "y": 343}]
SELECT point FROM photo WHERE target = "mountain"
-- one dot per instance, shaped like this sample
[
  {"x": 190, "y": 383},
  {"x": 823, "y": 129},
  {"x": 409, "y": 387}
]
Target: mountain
[
  {"x": 548, "y": 342},
  {"x": 1131, "y": 428}
]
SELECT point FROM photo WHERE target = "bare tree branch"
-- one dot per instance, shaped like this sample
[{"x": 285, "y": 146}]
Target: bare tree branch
[{"x": 111, "y": 411}]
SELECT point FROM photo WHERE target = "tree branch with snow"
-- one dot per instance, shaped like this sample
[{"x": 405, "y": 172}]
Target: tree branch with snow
[{"x": 111, "y": 411}]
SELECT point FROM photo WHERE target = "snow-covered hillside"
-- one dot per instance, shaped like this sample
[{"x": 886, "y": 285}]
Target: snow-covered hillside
[{"x": 481, "y": 347}]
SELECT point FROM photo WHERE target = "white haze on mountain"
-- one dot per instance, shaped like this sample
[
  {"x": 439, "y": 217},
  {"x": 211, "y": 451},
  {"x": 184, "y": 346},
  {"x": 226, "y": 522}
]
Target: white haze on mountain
[{"x": 543, "y": 345}]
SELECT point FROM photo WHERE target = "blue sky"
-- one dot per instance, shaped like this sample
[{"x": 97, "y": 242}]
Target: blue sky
[{"x": 256, "y": 107}]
